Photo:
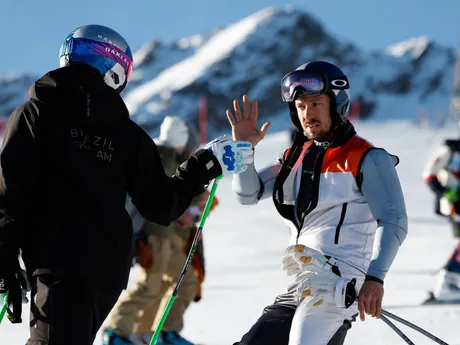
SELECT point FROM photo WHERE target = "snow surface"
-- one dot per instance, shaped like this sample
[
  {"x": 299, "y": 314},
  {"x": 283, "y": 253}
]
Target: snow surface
[{"x": 244, "y": 246}]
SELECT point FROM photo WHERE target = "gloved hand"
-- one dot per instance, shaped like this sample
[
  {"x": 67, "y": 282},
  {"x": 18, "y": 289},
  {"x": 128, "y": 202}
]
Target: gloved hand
[
  {"x": 233, "y": 156},
  {"x": 299, "y": 258},
  {"x": 13, "y": 279},
  {"x": 15, "y": 282},
  {"x": 318, "y": 278},
  {"x": 325, "y": 287}
]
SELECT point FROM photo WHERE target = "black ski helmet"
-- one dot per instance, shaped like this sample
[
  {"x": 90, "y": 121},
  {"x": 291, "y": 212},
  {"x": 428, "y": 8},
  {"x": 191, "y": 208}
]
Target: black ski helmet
[{"x": 314, "y": 79}]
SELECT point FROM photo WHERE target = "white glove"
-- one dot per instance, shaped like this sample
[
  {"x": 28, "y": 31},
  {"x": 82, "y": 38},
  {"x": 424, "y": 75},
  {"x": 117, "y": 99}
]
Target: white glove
[
  {"x": 325, "y": 287},
  {"x": 233, "y": 156},
  {"x": 299, "y": 258},
  {"x": 318, "y": 284}
]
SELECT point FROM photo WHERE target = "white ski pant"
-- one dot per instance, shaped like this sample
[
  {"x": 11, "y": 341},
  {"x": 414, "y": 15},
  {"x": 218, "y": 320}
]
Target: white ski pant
[
  {"x": 316, "y": 327},
  {"x": 286, "y": 322},
  {"x": 319, "y": 325}
]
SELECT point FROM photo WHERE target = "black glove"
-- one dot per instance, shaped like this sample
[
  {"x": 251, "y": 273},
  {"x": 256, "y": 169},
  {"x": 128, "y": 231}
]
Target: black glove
[{"x": 13, "y": 280}]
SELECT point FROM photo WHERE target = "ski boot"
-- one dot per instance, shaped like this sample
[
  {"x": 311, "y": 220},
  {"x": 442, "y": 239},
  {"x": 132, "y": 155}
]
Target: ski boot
[
  {"x": 109, "y": 337},
  {"x": 447, "y": 289},
  {"x": 144, "y": 339}
]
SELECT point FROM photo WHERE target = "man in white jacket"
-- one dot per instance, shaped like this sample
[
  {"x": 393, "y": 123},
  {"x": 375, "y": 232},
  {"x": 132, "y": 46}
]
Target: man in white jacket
[{"x": 342, "y": 199}]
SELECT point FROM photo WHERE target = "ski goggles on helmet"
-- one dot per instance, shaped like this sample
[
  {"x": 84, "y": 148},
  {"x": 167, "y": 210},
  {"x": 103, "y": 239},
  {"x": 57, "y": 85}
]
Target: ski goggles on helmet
[
  {"x": 303, "y": 82},
  {"x": 102, "y": 55}
]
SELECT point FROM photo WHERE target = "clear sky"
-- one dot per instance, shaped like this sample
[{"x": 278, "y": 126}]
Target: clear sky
[{"x": 31, "y": 31}]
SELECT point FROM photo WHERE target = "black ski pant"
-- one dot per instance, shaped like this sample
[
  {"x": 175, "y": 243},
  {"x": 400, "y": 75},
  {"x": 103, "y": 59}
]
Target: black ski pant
[
  {"x": 67, "y": 313},
  {"x": 273, "y": 328}
]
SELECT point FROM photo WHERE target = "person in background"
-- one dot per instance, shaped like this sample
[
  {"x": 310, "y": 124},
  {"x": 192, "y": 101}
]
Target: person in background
[
  {"x": 149, "y": 318},
  {"x": 441, "y": 174},
  {"x": 175, "y": 143}
]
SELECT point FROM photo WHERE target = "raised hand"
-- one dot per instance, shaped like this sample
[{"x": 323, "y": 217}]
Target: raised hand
[{"x": 244, "y": 125}]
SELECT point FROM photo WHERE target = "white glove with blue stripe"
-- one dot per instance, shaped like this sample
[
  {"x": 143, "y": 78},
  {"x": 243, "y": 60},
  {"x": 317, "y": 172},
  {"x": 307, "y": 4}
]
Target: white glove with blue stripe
[{"x": 233, "y": 156}]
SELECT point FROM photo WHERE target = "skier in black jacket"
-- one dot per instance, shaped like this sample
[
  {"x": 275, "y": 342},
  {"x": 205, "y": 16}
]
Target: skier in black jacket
[{"x": 70, "y": 156}]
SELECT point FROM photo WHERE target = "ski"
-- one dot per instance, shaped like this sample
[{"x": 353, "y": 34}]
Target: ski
[{"x": 431, "y": 300}]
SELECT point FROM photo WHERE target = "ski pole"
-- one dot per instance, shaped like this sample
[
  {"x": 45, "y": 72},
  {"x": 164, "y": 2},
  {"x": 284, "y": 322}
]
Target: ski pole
[
  {"x": 196, "y": 239},
  {"x": 396, "y": 329},
  {"x": 414, "y": 327},
  {"x": 4, "y": 306}
]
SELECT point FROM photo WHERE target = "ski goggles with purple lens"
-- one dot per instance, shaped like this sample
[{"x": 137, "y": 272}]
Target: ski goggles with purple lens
[
  {"x": 108, "y": 54},
  {"x": 303, "y": 82}
]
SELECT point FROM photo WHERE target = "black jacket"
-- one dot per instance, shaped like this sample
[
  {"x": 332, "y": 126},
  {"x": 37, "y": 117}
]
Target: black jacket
[{"x": 70, "y": 156}]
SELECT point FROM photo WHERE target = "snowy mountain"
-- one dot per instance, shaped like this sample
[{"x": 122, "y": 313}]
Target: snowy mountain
[{"x": 252, "y": 55}]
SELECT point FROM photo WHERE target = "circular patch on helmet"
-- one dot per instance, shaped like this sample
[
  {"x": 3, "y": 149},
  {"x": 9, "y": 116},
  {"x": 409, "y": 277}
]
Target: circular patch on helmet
[{"x": 339, "y": 82}]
